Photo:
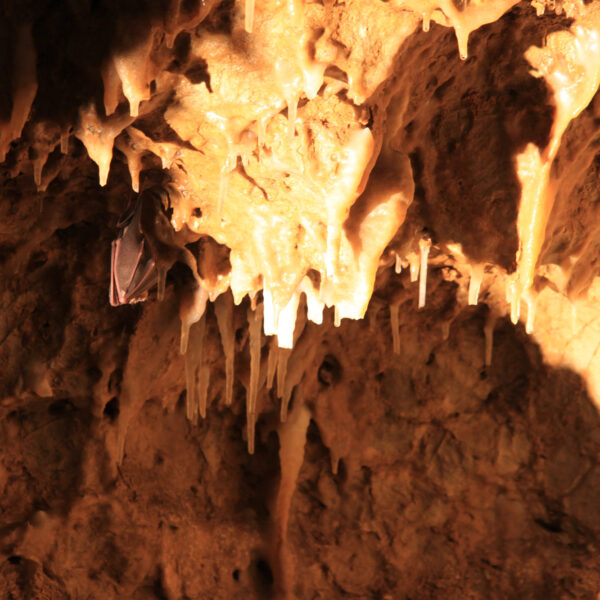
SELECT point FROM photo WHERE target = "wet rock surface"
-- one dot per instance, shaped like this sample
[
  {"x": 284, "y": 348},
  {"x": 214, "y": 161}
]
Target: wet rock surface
[{"x": 464, "y": 465}]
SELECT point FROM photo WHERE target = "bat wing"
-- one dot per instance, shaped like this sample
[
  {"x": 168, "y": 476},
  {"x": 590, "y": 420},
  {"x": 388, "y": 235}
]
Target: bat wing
[{"x": 133, "y": 271}]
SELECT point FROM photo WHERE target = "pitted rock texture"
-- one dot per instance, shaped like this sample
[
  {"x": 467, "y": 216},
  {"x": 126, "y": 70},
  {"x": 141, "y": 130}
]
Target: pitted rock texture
[{"x": 420, "y": 474}]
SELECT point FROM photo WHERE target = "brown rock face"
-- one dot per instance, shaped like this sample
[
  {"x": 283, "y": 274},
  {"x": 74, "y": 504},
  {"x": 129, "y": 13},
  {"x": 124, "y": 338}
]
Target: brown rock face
[{"x": 370, "y": 366}]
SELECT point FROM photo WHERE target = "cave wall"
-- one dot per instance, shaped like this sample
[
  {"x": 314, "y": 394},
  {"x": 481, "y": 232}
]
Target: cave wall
[{"x": 427, "y": 452}]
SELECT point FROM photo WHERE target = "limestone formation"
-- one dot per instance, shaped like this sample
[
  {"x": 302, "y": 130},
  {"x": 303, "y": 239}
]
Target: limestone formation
[{"x": 366, "y": 364}]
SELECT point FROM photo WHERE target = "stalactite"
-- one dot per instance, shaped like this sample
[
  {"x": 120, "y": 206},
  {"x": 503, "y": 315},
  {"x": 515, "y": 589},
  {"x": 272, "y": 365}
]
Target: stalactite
[
  {"x": 569, "y": 64},
  {"x": 224, "y": 313},
  {"x": 283, "y": 356},
  {"x": 112, "y": 87},
  {"x": 426, "y": 21},
  {"x": 424, "y": 245},
  {"x": 203, "y": 383},
  {"x": 475, "y": 283},
  {"x": 471, "y": 17},
  {"x": 270, "y": 317},
  {"x": 286, "y": 323},
  {"x": 413, "y": 261},
  {"x": 134, "y": 163},
  {"x": 135, "y": 143},
  {"x": 249, "y": 16},
  {"x": 287, "y": 379},
  {"x": 194, "y": 361},
  {"x": 300, "y": 361},
  {"x": 38, "y": 166},
  {"x": 514, "y": 299},
  {"x": 191, "y": 309},
  {"x": 24, "y": 87},
  {"x": 531, "y": 302},
  {"x": 314, "y": 305},
  {"x": 292, "y": 439},
  {"x": 132, "y": 68},
  {"x": 285, "y": 402},
  {"x": 255, "y": 327},
  {"x": 64, "y": 141},
  {"x": 190, "y": 386},
  {"x": 398, "y": 265},
  {"x": 488, "y": 330},
  {"x": 272, "y": 362},
  {"x": 98, "y": 134},
  {"x": 337, "y": 319}
]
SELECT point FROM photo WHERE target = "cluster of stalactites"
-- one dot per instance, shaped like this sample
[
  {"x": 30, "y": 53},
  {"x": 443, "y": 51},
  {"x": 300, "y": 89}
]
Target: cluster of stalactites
[
  {"x": 198, "y": 374},
  {"x": 129, "y": 73},
  {"x": 570, "y": 64},
  {"x": 303, "y": 310}
]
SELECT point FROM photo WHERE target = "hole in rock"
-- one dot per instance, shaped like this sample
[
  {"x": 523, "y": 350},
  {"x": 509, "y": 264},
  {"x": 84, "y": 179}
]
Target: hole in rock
[
  {"x": 111, "y": 409},
  {"x": 60, "y": 407},
  {"x": 198, "y": 73},
  {"x": 264, "y": 574},
  {"x": 330, "y": 371}
]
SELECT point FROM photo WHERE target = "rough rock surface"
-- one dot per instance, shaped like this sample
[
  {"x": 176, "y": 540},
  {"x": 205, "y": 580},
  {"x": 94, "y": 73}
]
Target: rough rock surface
[{"x": 463, "y": 465}]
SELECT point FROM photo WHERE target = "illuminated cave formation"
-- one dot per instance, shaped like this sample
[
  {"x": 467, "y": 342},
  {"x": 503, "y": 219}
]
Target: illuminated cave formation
[{"x": 300, "y": 299}]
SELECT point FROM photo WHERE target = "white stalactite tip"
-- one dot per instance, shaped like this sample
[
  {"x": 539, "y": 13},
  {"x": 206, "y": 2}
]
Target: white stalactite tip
[
  {"x": 531, "y": 304},
  {"x": 269, "y": 323},
  {"x": 413, "y": 261},
  {"x": 424, "y": 246},
  {"x": 426, "y": 21},
  {"x": 515, "y": 308},
  {"x": 103, "y": 170},
  {"x": 475, "y": 284},
  {"x": 398, "y": 265},
  {"x": 314, "y": 306},
  {"x": 287, "y": 322},
  {"x": 249, "y": 16}
]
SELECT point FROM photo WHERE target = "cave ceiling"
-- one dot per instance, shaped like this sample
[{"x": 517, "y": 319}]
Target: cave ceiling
[{"x": 325, "y": 244}]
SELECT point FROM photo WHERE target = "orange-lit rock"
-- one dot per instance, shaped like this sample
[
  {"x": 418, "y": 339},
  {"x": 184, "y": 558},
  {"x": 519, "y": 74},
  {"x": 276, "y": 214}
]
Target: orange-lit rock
[{"x": 358, "y": 199}]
